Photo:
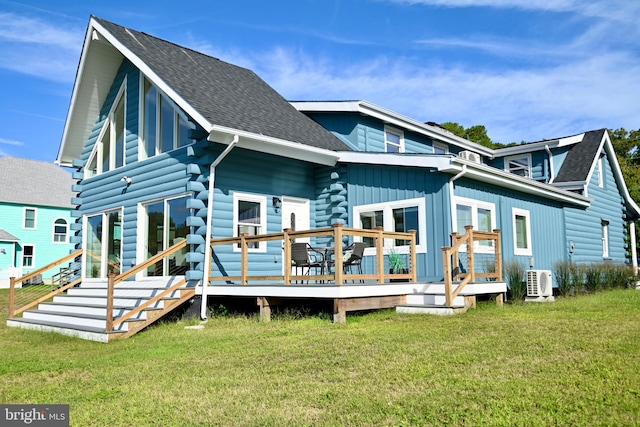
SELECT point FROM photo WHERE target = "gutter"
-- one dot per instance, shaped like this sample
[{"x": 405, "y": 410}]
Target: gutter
[{"x": 207, "y": 247}]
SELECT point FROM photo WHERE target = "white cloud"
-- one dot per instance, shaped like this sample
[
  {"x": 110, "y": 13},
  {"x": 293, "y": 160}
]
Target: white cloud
[{"x": 10, "y": 142}]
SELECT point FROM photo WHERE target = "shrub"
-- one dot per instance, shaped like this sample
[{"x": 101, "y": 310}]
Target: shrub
[
  {"x": 593, "y": 274},
  {"x": 577, "y": 277},
  {"x": 562, "y": 270},
  {"x": 514, "y": 274},
  {"x": 617, "y": 275}
]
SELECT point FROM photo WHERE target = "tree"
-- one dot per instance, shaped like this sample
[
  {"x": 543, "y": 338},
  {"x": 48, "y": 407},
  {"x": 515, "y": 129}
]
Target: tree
[
  {"x": 626, "y": 144},
  {"x": 476, "y": 133}
]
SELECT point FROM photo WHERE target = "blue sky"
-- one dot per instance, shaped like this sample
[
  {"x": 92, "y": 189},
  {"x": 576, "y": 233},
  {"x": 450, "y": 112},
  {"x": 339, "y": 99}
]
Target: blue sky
[{"x": 526, "y": 69}]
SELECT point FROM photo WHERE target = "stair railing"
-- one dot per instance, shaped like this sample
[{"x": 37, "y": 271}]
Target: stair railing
[
  {"x": 36, "y": 294},
  {"x": 451, "y": 258}
]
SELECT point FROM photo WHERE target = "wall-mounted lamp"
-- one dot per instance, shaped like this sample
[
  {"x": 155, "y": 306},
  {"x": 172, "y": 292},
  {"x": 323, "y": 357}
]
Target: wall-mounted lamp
[
  {"x": 126, "y": 179},
  {"x": 3, "y": 251},
  {"x": 277, "y": 203}
]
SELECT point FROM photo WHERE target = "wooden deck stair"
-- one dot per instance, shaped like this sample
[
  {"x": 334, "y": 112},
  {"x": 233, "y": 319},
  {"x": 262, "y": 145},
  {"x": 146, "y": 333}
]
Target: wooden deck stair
[{"x": 82, "y": 311}]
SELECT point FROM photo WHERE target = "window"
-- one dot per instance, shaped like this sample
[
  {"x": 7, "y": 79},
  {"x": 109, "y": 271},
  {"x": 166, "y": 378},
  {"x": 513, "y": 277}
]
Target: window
[
  {"x": 108, "y": 153},
  {"x": 521, "y": 232},
  {"x": 393, "y": 140},
  {"x": 401, "y": 216},
  {"x": 605, "y": 238},
  {"x": 440, "y": 148},
  {"x": 166, "y": 225},
  {"x": 600, "y": 172},
  {"x": 60, "y": 231},
  {"x": 29, "y": 218},
  {"x": 250, "y": 217},
  {"x": 28, "y": 255},
  {"x": 480, "y": 215},
  {"x": 519, "y": 165},
  {"x": 165, "y": 128}
]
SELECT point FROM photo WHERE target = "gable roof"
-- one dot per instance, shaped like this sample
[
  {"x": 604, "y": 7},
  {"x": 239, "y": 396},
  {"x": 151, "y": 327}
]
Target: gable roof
[
  {"x": 31, "y": 182},
  {"x": 5, "y": 236},
  {"x": 216, "y": 94},
  {"x": 581, "y": 157}
]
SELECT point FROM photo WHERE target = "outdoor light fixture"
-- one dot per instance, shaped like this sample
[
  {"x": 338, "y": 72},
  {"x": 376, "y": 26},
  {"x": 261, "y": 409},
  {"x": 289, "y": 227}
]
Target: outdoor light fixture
[
  {"x": 126, "y": 179},
  {"x": 3, "y": 251},
  {"x": 277, "y": 203}
]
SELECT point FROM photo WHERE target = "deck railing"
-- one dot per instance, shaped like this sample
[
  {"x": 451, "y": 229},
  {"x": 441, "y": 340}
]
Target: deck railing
[
  {"x": 24, "y": 297},
  {"x": 451, "y": 255},
  {"x": 335, "y": 235}
]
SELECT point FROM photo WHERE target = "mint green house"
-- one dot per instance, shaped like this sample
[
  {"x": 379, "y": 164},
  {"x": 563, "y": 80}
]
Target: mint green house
[{"x": 35, "y": 216}]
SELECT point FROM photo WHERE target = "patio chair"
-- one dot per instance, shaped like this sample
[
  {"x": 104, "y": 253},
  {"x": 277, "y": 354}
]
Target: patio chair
[
  {"x": 304, "y": 256},
  {"x": 353, "y": 258}
]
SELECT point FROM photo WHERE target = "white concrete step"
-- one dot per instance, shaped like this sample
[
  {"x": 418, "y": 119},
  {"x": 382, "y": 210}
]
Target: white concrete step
[
  {"x": 120, "y": 292},
  {"x": 432, "y": 299},
  {"x": 75, "y": 319},
  {"x": 85, "y": 300},
  {"x": 92, "y": 310},
  {"x": 425, "y": 309},
  {"x": 83, "y": 332}
]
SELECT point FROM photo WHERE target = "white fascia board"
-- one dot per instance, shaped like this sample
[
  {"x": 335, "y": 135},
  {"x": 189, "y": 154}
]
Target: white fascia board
[
  {"x": 271, "y": 145},
  {"x": 525, "y": 185},
  {"x": 441, "y": 162},
  {"x": 152, "y": 76},
  {"x": 617, "y": 173},
  {"x": 395, "y": 119},
  {"x": 537, "y": 146}
]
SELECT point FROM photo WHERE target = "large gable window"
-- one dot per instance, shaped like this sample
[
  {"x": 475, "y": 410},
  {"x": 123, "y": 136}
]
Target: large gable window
[
  {"x": 165, "y": 127},
  {"x": 519, "y": 165},
  {"x": 108, "y": 153},
  {"x": 401, "y": 216}
]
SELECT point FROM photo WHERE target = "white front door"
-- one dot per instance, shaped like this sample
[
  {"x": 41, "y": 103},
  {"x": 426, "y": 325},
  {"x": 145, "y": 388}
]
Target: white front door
[{"x": 296, "y": 214}]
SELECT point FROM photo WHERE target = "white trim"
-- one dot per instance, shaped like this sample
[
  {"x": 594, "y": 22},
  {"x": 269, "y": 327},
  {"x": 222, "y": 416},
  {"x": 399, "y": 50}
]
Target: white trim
[
  {"x": 474, "y": 205},
  {"x": 33, "y": 257},
  {"x": 24, "y": 218},
  {"x": 387, "y": 218},
  {"x": 524, "y": 156},
  {"x": 262, "y": 201},
  {"x": 600, "y": 171},
  {"x": 66, "y": 234},
  {"x": 604, "y": 224},
  {"x": 515, "y": 212}
]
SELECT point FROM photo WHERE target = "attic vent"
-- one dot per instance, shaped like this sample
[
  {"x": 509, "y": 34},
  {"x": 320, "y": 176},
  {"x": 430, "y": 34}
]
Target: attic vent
[{"x": 470, "y": 155}]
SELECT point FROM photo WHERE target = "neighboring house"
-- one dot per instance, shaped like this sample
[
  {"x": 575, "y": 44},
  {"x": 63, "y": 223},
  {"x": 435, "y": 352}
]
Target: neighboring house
[
  {"x": 153, "y": 126},
  {"x": 35, "y": 216}
]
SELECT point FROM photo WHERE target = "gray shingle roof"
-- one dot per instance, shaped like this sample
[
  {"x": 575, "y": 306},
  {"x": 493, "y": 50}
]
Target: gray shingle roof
[
  {"x": 5, "y": 236},
  {"x": 31, "y": 182},
  {"x": 224, "y": 94},
  {"x": 580, "y": 157}
]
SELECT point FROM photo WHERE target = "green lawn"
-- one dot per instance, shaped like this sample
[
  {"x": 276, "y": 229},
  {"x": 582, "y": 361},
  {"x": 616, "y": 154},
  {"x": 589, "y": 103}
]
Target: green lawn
[{"x": 573, "y": 362}]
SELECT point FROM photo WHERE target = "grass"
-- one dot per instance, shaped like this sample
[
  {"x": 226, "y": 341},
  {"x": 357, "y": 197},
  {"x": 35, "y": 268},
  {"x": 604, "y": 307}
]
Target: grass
[{"x": 573, "y": 362}]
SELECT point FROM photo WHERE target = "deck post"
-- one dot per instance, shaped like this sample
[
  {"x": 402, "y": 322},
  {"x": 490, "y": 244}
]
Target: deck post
[
  {"x": 380, "y": 254},
  {"x": 471, "y": 265},
  {"x": 286, "y": 242},
  {"x": 498, "y": 260},
  {"x": 337, "y": 242},
  {"x": 12, "y": 296},
  {"x": 244, "y": 259},
  {"x": 412, "y": 258},
  {"x": 448, "y": 291},
  {"x": 109, "y": 313},
  {"x": 339, "y": 311},
  {"x": 265, "y": 309},
  {"x": 456, "y": 256}
]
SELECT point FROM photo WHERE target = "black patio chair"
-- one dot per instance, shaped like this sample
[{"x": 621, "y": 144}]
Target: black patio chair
[
  {"x": 304, "y": 256},
  {"x": 355, "y": 253}
]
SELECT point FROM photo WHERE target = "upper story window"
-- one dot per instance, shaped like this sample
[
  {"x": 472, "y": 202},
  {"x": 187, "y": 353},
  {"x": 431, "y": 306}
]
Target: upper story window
[
  {"x": 108, "y": 152},
  {"x": 600, "y": 172},
  {"x": 399, "y": 215},
  {"x": 519, "y": 165},
  {"x": 605, "y": 238},
  {"x": 29, "y": 219},
  {"x": 60, "y": 230},
  {"x": 165, "y": 127},
  {"x": 440, "y": 148},
  {"x": 393, "y": 140},
  {"x": 250, "y": 217}
]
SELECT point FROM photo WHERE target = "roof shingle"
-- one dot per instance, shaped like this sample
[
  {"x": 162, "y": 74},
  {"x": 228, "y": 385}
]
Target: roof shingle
[{"x": 32, "y": 182}]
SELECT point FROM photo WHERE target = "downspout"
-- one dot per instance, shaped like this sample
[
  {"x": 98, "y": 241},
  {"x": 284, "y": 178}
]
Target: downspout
[
  {"x": 207, "y": 247},
  {"x": 551, "y": 168},
  {"x": 451, "y": 191}
]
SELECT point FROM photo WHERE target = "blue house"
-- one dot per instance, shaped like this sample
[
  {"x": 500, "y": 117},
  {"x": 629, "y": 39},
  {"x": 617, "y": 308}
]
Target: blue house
[
  {"x": 35, "y": 217},
  {"x": 173, "y": 147}
]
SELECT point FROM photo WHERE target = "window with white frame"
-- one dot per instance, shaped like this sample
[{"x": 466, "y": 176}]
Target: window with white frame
[
  {"x": 480, "y": 215},
  {"x": 393, "y": 140},
  {"x": 399, "y": 215},
  {"x": 600, "y": 172},
  {"x": 164, "y": 126},
  {"x": 60, "y": 230},
  {"x": 250, "y": 217},
  {"x": 521, "y": 232},
  {"x": 28, "y": 255},
  {"x": 605, "y": 238},
  {"x": 440, "y": 148},
  {"x": 519, "y": 165},
  {"x": 108, "y": 152},
  {"x": 29, "y": 219}
]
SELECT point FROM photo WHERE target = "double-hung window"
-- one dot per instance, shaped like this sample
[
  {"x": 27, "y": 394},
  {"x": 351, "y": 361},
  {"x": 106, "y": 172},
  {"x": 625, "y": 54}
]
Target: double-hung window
[
  {"x": 164, "y": 126},
  {"x": 393, "y": 140},
  {"x": 480, "y": 215},
  {"x": 28, "y": 255},
  {"x": 519, "y": 165},
  {"x": 108, "y": 152},
  {"x": 250, "y": 217},
  {"x": 521, "y": 232},
  {"x": 400, "y": 215},
  {"x": 60, "y": 230},
  {"x": 29, "y": 219}
]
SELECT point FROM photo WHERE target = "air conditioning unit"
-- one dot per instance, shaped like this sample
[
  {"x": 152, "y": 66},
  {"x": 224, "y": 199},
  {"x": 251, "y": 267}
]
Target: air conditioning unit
[
  {"x": 470, "y": 155},
  {"x": 539, "y": 284}
]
